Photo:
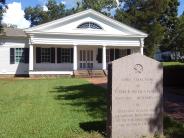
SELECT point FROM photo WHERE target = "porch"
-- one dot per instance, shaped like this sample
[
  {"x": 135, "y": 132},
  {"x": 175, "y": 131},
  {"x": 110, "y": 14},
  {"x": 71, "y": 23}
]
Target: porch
[{"x": 67, "y": 59}]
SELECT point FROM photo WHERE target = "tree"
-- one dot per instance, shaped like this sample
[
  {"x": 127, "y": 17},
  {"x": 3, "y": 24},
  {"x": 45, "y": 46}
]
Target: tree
[
  {"x": 144, "y": 15},
  {"x": 170, "y": 22},
  {"x": 2, "y": 9},
  {"x": 178, "y": 40},
  {"x": 98, "y": 5},
  {"x": 36, "y": 15}
]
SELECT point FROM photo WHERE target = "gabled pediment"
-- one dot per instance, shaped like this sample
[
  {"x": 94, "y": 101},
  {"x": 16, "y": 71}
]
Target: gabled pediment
[{"x": 69, "y": 25}]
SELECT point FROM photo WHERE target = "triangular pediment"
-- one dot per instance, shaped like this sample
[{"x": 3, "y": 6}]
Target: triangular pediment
[{"x": 69, "y": 25}]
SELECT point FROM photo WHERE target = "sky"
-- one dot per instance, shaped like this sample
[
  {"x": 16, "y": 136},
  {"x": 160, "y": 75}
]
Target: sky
[
  {"x": 69, "y": 3},
  {"x": 26, "y": 3},
  {"x": 17, "y": 18}
]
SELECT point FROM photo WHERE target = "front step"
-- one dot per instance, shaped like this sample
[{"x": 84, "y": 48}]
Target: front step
[
  {"x": 81, "y": 74},
  {"x": 89, "y": 73},
  {"x": 96, "y": 73}
]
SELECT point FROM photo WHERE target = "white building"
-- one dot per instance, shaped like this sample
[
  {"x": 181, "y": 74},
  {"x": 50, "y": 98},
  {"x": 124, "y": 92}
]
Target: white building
[{"x": 86, "y": 40}]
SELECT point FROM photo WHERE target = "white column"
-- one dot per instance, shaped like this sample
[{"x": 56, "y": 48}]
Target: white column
[
  {"x": 74, "y": 57},
  {"x": 142, "y": 51},
  {"x": 142, "y": 46},
  {"x": 104, "y": 62},
  {"x": 31, "y": 57}
]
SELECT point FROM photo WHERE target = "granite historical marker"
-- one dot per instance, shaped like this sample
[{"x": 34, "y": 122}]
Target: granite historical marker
[{"x": 135, "y": 105}]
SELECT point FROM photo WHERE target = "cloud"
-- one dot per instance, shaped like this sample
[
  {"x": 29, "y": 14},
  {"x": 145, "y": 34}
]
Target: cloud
[
  {"x": 63, "y": 2},
  {"x": 70, "y": 3},
  {"x": 15, "y": 16},
  {"x": 45, "y": 8}
]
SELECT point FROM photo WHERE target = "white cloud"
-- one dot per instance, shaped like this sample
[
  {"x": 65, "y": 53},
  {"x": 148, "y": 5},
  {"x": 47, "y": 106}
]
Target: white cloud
[
  {"x": 117, "y": 1},
  {"x": 15, "y": 16},
  {"x": 63, "y": 2},
  {"x": 45, "y": 8}
]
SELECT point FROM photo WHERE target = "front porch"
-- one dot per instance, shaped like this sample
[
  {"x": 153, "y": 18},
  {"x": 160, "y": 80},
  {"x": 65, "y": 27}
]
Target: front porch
[
  {"x": 87, "y": 40},
  {"x": 66, "y": 59}
]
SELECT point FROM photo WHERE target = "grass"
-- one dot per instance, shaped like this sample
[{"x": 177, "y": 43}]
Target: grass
[
  {"x": 173, "y": 129},
  {"x": 54, "y": 108},
  {"x": 58, "y": 108},
  {"x": 173, "y": 64}
]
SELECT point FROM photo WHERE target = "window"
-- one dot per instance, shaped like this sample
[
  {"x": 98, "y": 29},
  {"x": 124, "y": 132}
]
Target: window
[
  {"x": 46, "y": 55},
  {"x": 114, "y": 53},
  {"x": 19, "y": 55},
  {"x": 89, "y": 25},
  {"x": 123, "y": 52},
  {"x": 65, "y": 55}
]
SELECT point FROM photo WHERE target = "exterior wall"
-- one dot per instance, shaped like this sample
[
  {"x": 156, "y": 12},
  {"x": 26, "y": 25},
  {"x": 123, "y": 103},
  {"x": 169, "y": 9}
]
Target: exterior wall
[
  {"x": 5, "y": 66},
  {"x": 96, "y": 65}
]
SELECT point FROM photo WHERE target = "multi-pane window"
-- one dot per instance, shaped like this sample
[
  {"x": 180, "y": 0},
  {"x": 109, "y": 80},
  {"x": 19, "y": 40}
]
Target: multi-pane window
[
  {"x": 66, "y": 55},
  {"x": 19, "y": 55},
  {"x": 46, "y": 55},
  {"x": 123, "y": 52},
  {"x": 108, "y": 55},
  {"x": 114, "y": 53},
  {"x": 89, "y": 25}
]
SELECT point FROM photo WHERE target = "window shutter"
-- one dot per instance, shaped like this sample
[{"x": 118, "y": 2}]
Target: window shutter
[
  {"x": 71, "y": 55},
  {"x": 58, "y": 55},
  {"x": 26, "y": 52},
  {"x": 128, "y": 51},
  {"x": 111, "y": 54},
  {"x": 99, "y": 55},
  {"x": 38, "y": 55},
  {"x": 12, "y": 56},
  {"x": 117, "y": 53},
  {"x": 52, "y": 55}
]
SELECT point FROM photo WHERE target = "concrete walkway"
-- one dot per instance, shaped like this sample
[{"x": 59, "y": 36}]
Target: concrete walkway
[
  {"x": 174, "y": 103},
  {"x": 102, "y": 82}
]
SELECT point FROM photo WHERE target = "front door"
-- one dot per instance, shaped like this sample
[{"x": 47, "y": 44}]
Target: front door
[{"x": 86, "y": 59}]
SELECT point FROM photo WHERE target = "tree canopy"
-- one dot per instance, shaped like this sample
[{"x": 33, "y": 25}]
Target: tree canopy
[
  {"x": 158, "y": 18},
  {"x": 36, "y": 15},
  {"x": 2, "y": 9},
  {"x": 155, "y": 17}
]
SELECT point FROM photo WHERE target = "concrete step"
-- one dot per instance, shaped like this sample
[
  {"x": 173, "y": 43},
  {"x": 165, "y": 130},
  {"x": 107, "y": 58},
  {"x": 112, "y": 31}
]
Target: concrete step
[
  {"x": 81, "y": 74},
  {"x": 97, "y": 73},
  {"x": 89, "y": 73}
]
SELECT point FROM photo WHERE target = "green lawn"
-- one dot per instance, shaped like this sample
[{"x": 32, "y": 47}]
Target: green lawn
[
  {"x": 58, "y": 108},
  {"x": 53, "y": 108}
]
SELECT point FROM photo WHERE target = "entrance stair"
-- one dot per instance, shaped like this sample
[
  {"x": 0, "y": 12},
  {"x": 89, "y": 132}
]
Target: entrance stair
[{"x": 89, "y": 73}]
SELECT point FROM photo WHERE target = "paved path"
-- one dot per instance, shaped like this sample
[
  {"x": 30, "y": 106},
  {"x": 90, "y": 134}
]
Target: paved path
[
  {"x": 173, "y": 103},
  {"x": 102, "y": 82}
]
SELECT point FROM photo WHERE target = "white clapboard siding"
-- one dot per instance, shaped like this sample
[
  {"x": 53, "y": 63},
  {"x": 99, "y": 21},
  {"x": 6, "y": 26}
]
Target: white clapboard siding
[{"x": 5, "y": 66}]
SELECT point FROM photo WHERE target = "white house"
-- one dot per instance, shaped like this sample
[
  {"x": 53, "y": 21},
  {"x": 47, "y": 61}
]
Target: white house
[{"x": 86, "y": 40}]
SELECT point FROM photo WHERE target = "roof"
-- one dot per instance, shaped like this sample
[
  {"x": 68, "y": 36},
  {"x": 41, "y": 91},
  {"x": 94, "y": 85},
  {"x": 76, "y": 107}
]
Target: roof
[
  {"x": 37, "y": 29},
  {"x": 13, "y": 32}
]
